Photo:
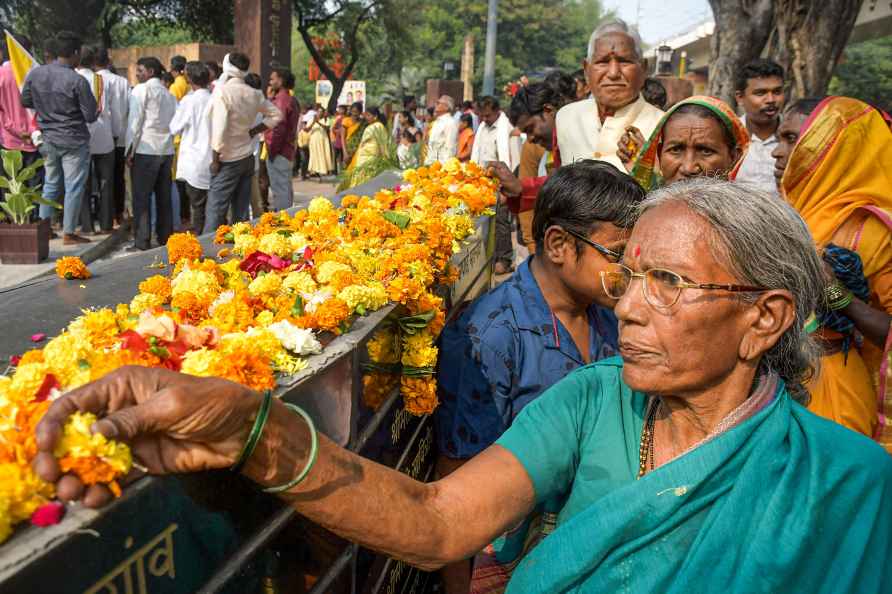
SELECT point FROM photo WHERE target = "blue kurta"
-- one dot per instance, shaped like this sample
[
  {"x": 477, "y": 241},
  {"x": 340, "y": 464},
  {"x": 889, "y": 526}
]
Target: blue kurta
[{"x": 500, "y": 354}]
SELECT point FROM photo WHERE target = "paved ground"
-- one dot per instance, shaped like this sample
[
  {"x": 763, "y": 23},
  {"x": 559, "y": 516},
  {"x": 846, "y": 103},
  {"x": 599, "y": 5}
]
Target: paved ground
[{"x": 111, "y": 246}]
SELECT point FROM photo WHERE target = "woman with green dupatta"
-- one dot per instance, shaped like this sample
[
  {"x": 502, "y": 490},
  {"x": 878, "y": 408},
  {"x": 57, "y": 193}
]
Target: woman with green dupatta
[
  {"x": 688, "y": 465},
  {"x": 697, "y": 137}
]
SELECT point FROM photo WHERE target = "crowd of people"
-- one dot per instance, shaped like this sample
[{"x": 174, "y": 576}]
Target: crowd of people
[
  {"x": 203, "y": 143},
  {"x": 741, "y": 268}
]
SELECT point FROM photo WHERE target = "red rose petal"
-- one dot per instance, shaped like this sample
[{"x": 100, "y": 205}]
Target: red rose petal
[
  {"x": 49, "y": 384},
  {"x": 14, "y": 360},
  {"x": 48, "y": 514},
  {"x": 38, "y": 337}
]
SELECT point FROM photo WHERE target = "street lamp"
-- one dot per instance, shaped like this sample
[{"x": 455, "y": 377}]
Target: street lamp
[{"x": 664, "y": 59}]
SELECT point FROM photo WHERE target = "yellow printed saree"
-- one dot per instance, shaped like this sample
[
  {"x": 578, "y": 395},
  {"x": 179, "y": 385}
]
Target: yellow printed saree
[{"x": 839, "y": 179}]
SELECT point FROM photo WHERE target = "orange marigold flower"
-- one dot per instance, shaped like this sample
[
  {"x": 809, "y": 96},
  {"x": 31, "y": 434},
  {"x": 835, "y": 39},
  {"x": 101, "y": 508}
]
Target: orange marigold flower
[
  {"x": 192, "y": 309},
  {"x": 71, "y": 267},
  {"x": 183, "y": 246},
  {"x": 419, "y": 394},
  {"x": 221, "y": 233},
  {"x": 32, "y": 356},
  {"x": 156, "y": 285},
  {"x": 376, "y": 386},
  {"x": 330, "y": 314}
]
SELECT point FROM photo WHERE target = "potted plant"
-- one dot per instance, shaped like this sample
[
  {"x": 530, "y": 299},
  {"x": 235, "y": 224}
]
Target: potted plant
[{"x": 21, "y": 241}]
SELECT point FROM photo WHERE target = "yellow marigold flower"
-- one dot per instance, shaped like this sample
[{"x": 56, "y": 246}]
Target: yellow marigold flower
[
  {"x": 383, "y": 347},
  {"x": 71, "y": 267},
  {"x": 376, "y": 386},
  {"x": 275, "y": 243},
  {"x": 157, "y": 285},
  {"x": 367, "y": 297},
  {"x": 288, "y": 363},
  {"x": 320, "y": 205},
  {"x": 22, "y": 492},
  {"x": 265, "y": 284},
  {"x": 183, "y": 246},
  {"x": 419, "y": 394},
  {"x": 145, "y": 301},
  {"x": 99, "y": 327},
  {"x": 79, "y": 442},
  {"x": 200, "y": 283},
  {"x": 265, "y": 318},
  {"x": 403, "y": 290},
  {"x": 418, "y": 350},
  {"x": 300, "y": 282},
  {"x": 245, "y": 245},
  {"x": 67, "y": 356},
  {"x": 326, "y": 270},
  {"x": 201, "y": 362},
  {"x": 26, "y": 380}
]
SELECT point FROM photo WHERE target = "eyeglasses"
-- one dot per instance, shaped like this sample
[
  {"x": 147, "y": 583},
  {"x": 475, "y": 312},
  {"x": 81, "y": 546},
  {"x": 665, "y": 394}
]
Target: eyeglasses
[
  {"x": 661, "y": 287},
  {"x": 603, "y": 250}
]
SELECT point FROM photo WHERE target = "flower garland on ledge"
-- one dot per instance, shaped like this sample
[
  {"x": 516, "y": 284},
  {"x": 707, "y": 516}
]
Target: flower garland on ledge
[{"x": 285, "y": 283}]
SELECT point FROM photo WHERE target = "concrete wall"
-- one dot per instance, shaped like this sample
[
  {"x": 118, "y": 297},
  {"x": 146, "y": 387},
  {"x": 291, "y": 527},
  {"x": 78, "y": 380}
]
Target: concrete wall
[{"x": 125, "y": 58}]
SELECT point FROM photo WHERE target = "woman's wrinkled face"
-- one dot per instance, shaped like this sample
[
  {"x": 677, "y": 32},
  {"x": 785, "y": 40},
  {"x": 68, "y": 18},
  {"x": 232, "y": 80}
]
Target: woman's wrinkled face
[
  {"x": 693, "y": 344},
  {"x": 695, "y": 146},
  {"x": 787, "y": 137}
]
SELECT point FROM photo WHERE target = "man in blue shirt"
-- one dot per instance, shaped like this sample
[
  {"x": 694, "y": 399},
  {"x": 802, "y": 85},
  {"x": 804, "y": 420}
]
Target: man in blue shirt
[
  {"x": 550, "y": 317},
  {"x": 65, "y": 105}
]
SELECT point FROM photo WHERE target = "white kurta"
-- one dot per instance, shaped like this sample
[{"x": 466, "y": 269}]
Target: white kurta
[
  {"x": 191, "y": 122},
  {"x": 581, "y": 135},
  {"x": 493, "y": 143},
  {"x": 101, "y": 139},
  {"x": 442, "y": 144}
]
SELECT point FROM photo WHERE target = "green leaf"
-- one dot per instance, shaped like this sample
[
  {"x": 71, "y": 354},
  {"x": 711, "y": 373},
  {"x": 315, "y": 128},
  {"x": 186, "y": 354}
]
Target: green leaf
[
  {"x": 229, "y": 237},
  {"x": 398, "y": 219},
  {"x": 46, "y": 202},
  {"x": 4, "y": 183},
  {"x": 29, "y": 171},
  {"x": 297, "y": 309},
  {"x": 12, "y": 162},
  {"x": 360, "y": 309},
  {"x": 83, "y": 364}
]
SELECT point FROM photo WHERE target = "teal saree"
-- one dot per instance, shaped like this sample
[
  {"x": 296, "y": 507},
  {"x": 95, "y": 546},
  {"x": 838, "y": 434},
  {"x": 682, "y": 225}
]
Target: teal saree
[{"x": 783, "y": 502}]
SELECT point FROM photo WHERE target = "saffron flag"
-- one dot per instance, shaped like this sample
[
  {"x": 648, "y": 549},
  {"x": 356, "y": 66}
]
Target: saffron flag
[{"x": 21, "y": 61}]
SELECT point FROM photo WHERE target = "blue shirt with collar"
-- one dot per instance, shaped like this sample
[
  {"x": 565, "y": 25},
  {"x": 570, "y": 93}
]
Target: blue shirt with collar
[{"x": 499, "y": 355}]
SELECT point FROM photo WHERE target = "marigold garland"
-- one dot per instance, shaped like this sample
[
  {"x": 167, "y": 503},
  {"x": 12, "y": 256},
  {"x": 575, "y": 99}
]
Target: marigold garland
[
  {"x": 72, "y": 267},
  {"x": 253, "y": 316}
]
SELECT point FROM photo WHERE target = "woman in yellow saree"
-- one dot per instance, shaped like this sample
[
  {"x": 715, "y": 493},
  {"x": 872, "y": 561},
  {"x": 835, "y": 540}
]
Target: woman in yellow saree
[{"x": 839, "y": 178}]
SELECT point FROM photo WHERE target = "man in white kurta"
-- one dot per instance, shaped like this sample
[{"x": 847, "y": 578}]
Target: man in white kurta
[
  {"x": 492, "y": 142},
  {"x": 117, "y": 98},
  {"x": 442, "y": 143},
  {"x": 592, "y": 128},
  {"x": 192, "y": 124}
]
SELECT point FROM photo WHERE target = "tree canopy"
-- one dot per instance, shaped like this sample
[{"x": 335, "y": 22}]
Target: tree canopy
[{"x": 865, "y": 72}]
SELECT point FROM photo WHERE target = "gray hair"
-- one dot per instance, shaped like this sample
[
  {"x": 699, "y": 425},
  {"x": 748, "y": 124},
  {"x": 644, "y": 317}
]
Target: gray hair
[
  {"x": 614, "y": 26},
  {"x": 449, "y": 101},
  {"x": 766, "y": 244}
]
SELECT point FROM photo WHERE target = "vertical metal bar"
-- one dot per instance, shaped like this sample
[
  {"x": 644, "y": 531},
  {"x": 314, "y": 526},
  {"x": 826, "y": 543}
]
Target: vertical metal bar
[{"x": 489, "y": 63}]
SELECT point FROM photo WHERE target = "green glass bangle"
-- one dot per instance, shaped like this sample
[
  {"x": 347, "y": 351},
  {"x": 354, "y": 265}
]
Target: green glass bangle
[
  {"x": 314, "y": 452},
  {"x": 256, "y": 432},
  {"x": 842, "y": 302}
]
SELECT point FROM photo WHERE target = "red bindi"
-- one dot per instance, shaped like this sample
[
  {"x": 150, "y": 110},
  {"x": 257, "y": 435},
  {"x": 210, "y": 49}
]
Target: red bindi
[{"x": 637, "y": 250}]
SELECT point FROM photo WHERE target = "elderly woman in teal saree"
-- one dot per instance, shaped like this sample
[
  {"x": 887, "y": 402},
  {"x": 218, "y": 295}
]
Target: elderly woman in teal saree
[{"x": 689, "y": 465}]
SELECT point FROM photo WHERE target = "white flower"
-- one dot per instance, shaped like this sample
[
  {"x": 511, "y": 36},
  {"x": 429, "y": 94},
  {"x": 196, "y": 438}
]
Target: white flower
[
  {"x": 224, "y": 297},
  {"x": 299, "y": 341},
  {"x": 315, "y": 299}
]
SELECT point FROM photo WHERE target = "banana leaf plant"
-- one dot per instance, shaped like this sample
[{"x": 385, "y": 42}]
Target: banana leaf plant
[{"x": 20, "y": 199}]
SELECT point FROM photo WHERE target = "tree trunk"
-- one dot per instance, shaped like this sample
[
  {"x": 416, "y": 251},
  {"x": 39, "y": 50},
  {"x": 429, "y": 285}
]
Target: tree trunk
[
  {"x": 742, "y": 28},
  {"x": 809, "y": 40}
]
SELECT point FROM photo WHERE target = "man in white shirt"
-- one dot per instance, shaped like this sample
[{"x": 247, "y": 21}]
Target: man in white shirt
[
  {"x": 760, "y": 92},
  {"x": 102, "y": 149},
  {"x": 492, "y": 142},
  {"x": 442, "y": 143},
  {"x": 192, "y": 125},
  {"x": 594, "y": 127},
  {"x": 150, "y": 152},
  {"x": 117, "y": 97},
  {"x": 233, "y": 112}
]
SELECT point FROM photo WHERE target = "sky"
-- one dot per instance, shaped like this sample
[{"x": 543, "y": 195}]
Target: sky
[{"x": 660, "y": 19}]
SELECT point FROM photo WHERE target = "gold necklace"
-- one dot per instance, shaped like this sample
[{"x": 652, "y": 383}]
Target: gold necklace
[{"x": 646, "y": 449}]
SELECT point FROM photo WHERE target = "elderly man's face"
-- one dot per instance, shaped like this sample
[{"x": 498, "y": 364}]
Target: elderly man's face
[
  {"x": 489, "y": 115},
  {"x": 441, "y": 108},
  {"x": 615, "y": 74},
  {"x": 695, "y": 343}
]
